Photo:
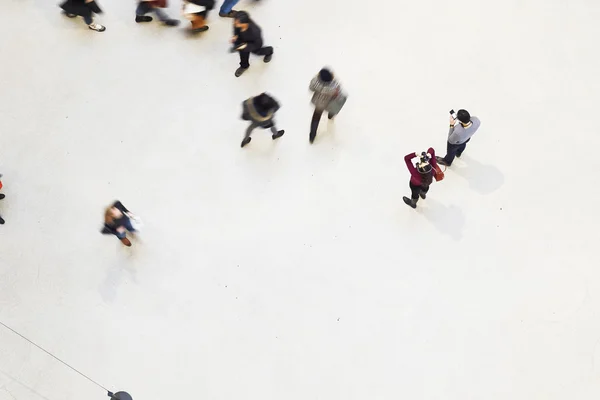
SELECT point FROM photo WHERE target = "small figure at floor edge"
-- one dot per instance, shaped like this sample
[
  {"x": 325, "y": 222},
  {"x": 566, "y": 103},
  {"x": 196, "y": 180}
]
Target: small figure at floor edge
[
  {"x": 85, "y": 9},
  {"x": 328, "y": 96},
  {"x": 196, "y": 11},
  {"x": 260, "y": 110},
  {"x": 117, "y": 221},
  {"x": 1, "y": 197},
  {"x": 247, "y": 38},
  {"x": 421, "y": 175},
  {"x": 147, "y": 6}
]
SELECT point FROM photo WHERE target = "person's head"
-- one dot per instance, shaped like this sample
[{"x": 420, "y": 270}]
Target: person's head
[
  {"x": 425, "y": 169},
  {"x": 463, "y": 117},
  {"x": 242, "y": 19},
  {"x": 264, "y": 101},
  {"x": 325, "y": 75}
]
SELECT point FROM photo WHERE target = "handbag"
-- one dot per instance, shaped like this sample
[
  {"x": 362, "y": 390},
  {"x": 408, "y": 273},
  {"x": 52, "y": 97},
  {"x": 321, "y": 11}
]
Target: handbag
[
  {"x": 336, "y": 105},
  {"x": 159, "y": 3},
  {"x": 438, "y": 174}
]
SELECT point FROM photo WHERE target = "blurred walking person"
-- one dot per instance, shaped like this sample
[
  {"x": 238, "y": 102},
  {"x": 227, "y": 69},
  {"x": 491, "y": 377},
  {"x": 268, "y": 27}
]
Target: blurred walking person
[
  {"x": 247, "y": 38},
  {"x": 327, "y": 96},
  {"x": 117, "y": 221},
  {"x": 147, "y": 6},
  {"x": 260, "y": 110},
  {"x": 459, "y": 135},
  {"x": 1, "y": 197},
  {"x": 85, "y": 9},
  {"x": 197, "y": 11},
  {"x": 421, "y": 175}
]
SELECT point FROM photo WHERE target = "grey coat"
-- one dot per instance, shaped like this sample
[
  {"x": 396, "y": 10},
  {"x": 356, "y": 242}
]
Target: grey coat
[{"x": 323, "y": 92}]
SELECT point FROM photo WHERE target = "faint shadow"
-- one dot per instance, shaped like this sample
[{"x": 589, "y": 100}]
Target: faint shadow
[
  {"x": 114, "y": 276},
  {"x": 484, "y": 179},
  {"x": 449, "y": 220},
  {"x": 22, "y": 384}
]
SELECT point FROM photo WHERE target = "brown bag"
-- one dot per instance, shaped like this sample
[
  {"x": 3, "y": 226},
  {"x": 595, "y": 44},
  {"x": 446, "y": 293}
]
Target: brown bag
[
  {"x": 159, "y": 3},
  {"x": 438, "y": 174}
]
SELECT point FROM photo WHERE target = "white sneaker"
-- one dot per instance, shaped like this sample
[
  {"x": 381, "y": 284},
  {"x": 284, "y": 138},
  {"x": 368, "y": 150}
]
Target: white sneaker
[{"x": 97, "y": 27}]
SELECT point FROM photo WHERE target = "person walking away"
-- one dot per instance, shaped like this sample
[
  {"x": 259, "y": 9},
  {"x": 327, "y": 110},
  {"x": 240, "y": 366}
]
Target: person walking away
[
  {"x": 326, "y": 89},
  {"x": 2, "y": 196},
  {"x": 147, "y": 6},
  {"x": 197, "y": 12},
  {"x": 260, "y": 110},
  {"x": 459, "y": 135},
  {"x": 421, "y": 176},
  {"x": 85, "y": 9},
  {"x": 117, "y": 221},
  {"x": 247, "y": 38}
]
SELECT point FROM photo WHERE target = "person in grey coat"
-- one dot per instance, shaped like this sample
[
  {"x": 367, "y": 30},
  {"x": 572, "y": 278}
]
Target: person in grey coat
[
  {"x": 325, "y": 89},
  {"x": 459, "y": 135},
  {"x": 260, "y": 110}
]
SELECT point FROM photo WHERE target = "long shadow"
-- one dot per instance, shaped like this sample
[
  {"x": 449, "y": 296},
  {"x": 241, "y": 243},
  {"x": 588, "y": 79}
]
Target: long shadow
[
  {"x": 484, "y": 179},
  {"x": 448, "y": 220}
]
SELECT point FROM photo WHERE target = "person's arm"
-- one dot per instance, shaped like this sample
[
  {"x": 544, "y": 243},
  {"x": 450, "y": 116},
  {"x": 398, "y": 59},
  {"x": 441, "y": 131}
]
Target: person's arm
[
  {"x": 313, "y": 84},
  {"x": 276, "y": 105},
  {"x": 121, "y": 207},
  {"x": 408, "y": 160},
  {"x": 455, "y": 134},
  {"x": 433, "y": 160}
]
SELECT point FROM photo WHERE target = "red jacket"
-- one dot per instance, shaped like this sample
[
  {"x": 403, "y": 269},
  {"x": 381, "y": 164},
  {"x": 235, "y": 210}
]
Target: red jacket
[{"x": 415, "y": 176}]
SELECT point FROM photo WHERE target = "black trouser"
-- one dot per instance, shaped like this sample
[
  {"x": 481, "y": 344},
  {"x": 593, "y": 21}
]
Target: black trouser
[
  {"x": 453, "y": 150},
  {"x": 316, "y": 118},
  {"x": 245, "y": 55},
  {"x": 255, "y": 125},
  {"x": 416, "y": 190}
]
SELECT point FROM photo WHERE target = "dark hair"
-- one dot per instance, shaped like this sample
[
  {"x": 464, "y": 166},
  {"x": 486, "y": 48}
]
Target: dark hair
[
  {"x": 325, "y": 75},
  {"x": 264, "y": 102},
  {"x": 463, "y": 116},
  {"x": 426, "y": 178},
  {"x": 242, "y": 16}
]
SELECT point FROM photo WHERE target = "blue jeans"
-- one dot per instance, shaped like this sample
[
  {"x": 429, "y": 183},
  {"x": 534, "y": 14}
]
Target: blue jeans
[
  {"x": 227, "y": 6},
  {"x": 453, "y": 150},
  {"x": 88, "y": 18},
  {"x": 128, "y": 227},
  {"x": 144, "y": 8}
]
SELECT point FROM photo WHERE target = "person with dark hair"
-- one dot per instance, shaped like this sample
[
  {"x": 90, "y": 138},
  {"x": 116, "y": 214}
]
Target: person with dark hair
[
  {"x": 260, "y": 110},
  {"x": 459, "y": 135},
  {"x": 326, "y": 89},
  {"x": 421, "y": 175},
  {"x": 147, "y": 6},
  {"x": 2, "y": 196},
  {"x": 247, "y": 38},
  {"x": 197, "y": 12},
  {"x": 117, "y": 221},
  {"x": 85, "y": 9}
]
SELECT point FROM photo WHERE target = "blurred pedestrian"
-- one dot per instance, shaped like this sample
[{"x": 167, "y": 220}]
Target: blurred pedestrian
[
  {"x": 459, "y": 135},
  {"x": 227, "y": 10},
  {"x": 421, "y": 175},
  {"x": 260, "y": 110},
  {"x": 247, "y": 38},
  {"x": 197, "y": 12},
  {"x": 117, "y": 221},
  {"x": 147, "y": 6},
  {"x": 85, "y": 9},
  {"x": 1, "y": 197},
  {"x": 327, "y": 96}
]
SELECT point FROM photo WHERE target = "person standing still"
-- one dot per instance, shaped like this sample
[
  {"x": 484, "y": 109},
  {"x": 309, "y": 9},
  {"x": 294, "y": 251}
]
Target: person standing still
[
  {"x": 459, "y": 135},
  {"x": 247, "y": 38},
  {"x": 325, "y": 89}
]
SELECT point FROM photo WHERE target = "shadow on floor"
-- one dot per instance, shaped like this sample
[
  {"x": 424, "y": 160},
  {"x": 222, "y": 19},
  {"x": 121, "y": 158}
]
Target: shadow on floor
[
  {"x": 448, "y": 220},
  {"x": 484, "y": 179}
]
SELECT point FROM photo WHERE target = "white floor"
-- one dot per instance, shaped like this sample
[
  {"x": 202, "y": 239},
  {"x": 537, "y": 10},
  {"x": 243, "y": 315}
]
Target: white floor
[{"x": 291, "y": 271}]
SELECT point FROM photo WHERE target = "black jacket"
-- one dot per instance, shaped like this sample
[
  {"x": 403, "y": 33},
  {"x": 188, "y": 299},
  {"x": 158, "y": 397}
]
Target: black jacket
[
  {"x": 80, "y": 7},
  {"x": 263, "y": 117},
  {"x": 251, "y": 36}
]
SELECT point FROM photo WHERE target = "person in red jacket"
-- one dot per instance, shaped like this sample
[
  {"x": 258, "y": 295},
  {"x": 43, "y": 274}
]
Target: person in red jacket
[{"x": 421, "y": 175}]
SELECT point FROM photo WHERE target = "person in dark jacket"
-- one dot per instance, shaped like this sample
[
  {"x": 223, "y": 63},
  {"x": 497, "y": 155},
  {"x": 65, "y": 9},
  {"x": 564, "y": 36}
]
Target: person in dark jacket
[
  {"x": 85, "y": 9},
  {"x": 260, "y": 110},
  {"x": 421, "y": 175},
  {"x": 147, "y": 6},
  {"x": 197, "y": 12},
  {"x": 117, "y": 222},
  {"x": 1, "y": 197},
  {"x": 247, "y": 38}
]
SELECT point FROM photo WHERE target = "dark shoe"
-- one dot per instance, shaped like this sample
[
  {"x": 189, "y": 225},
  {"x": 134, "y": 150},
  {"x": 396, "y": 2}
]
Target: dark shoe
[
  {"x": 201, "y": 29},
  {"x": 330, "y": 116},
  {"x": 69, "y": 15},
  {"x": 278, "y": 134},
  {"x": 174, "y": 22},
  {"x": 240, "y": 71},
  {"x": 423, "y": 195},
  {"x": 126, "y": 242},
  {"x": 246, "y": 141},
  {"x": 458, "y": 155},
  {"x": 268, "y": 58},
  {"x": 1, "y": 221},
  {"x": 3, "y": 196},
  {"x": 142, "y": 18},
  {"x": 441, "y": 161},
  {"x": 230, "y": 14},
  {"x": 312, "y": 136},
  {"x": 410, "y": 202},
  {"x": 97, "y": 27}
]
